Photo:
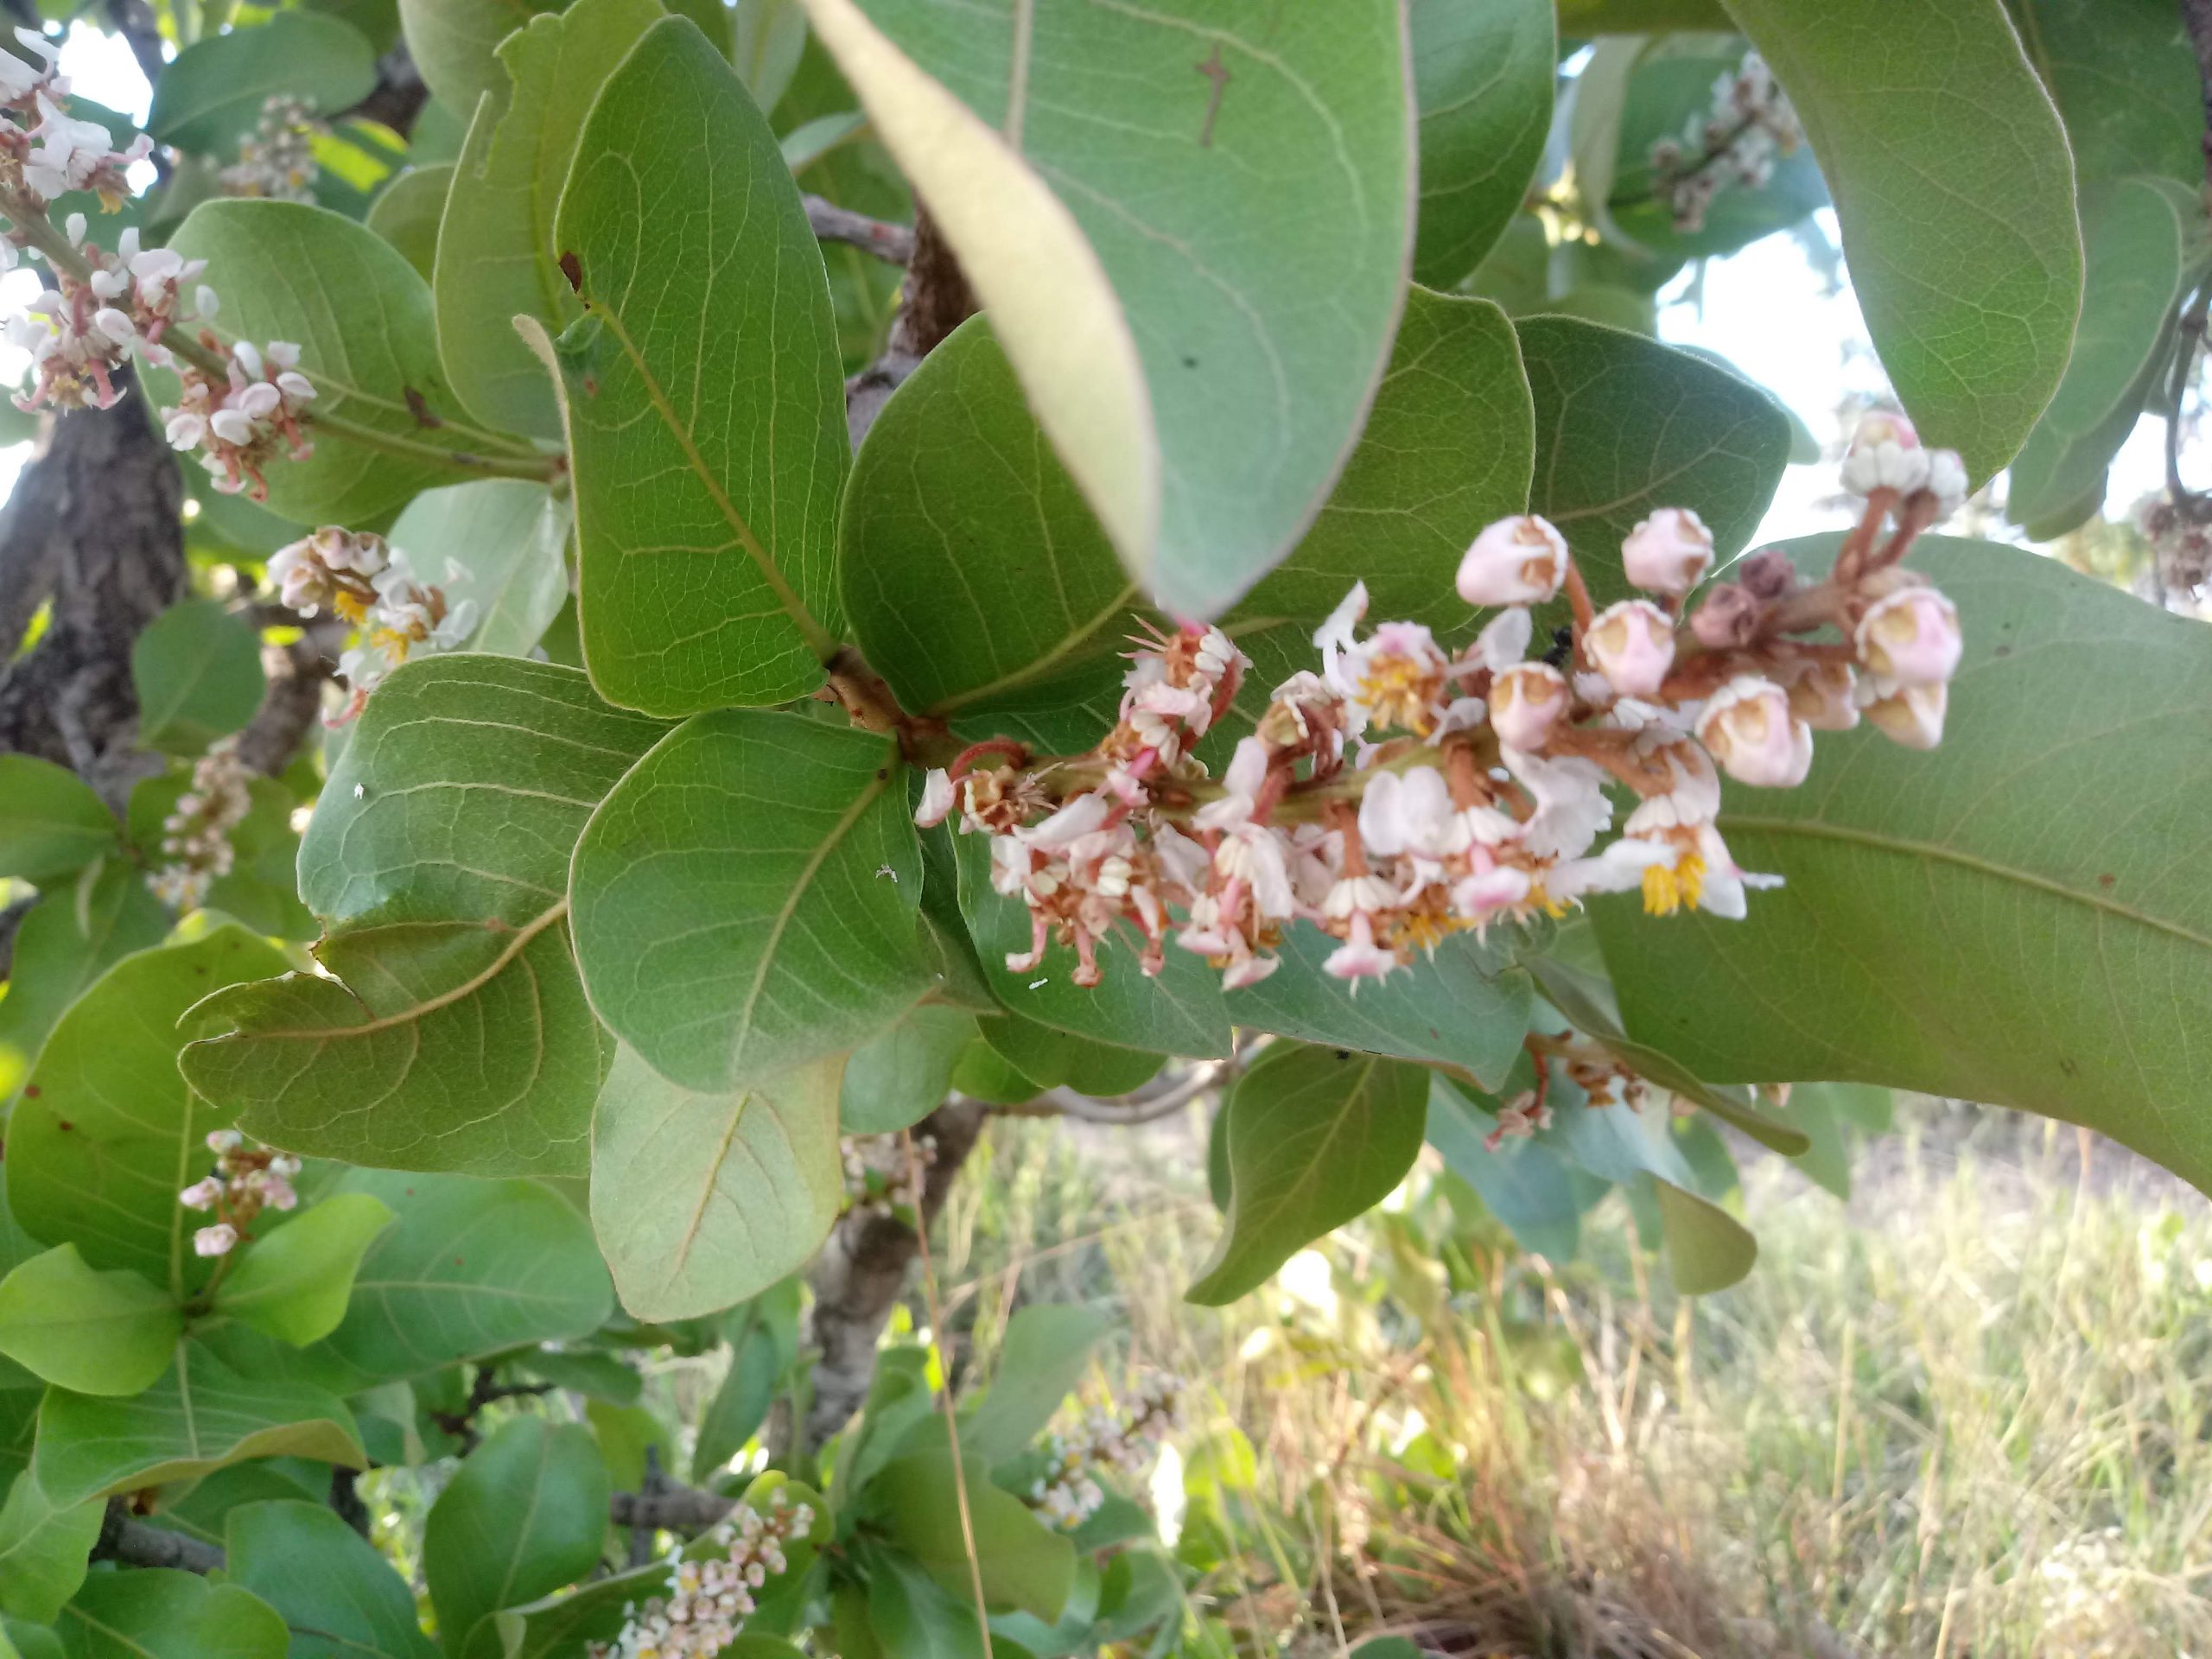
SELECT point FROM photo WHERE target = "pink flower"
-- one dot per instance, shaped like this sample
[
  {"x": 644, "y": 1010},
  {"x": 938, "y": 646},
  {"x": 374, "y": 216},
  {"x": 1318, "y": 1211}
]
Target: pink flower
[
  {"x": 1514, "y": 562},
  {"x": 1910, "y": 715},
  {"x": 1667, "y": 552},
  {"x": 1633, "y": 645},
  {"x": 936, "y": 797},
  {"x": 1526, "y": 702},
  {"x": 1821, "y": 694},
  {"x": 1910, "y": 636},
  {"x": 1359, "y": 957},
  {"x": 219, "y": 1240},
  {"x": 1748, "y": 729},
  {"x": 201, "y": 1195}
]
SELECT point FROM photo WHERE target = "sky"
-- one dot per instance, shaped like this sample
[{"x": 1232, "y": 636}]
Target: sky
[{"x": 1768, "y": 309}]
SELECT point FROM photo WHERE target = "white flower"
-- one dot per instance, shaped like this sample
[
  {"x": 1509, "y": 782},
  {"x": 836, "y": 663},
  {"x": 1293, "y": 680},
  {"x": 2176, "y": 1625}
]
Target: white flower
[
  {"x": 1241, "y": 784},
  {"x": 1748, "y": 729},
  {"x": 1411, "y": 813},
  {"x": 201, "y": 1195},
  {"x": 1503, "y": 640},
  {"x": 1526, "y": 701},
  {"x": 1667, "y": 552},
  {"x": 937, "y": 795},
  {"x": 1633, "y": 645},
  {"x": 1079, "y": 816},
  {"x": 1572, "y": 809},
  {"x": 1359, "y": 957},
  {"x": 1520, "y": 560},
  {"x": 1885, "y": 454}
]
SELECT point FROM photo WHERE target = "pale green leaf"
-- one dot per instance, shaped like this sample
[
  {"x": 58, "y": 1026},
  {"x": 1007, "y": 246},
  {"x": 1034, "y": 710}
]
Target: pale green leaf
[
  {"x": 1707, "y": 1248},
  {"x": 43, "y": 1550},
  {"x": 1315, "y": 1139},
  {"x": 406, "y": 213},
  {"x": 1191, "y": 230},
  {"x": 500, "y": 543},
  {"x": 1998, "y": 920},
  {"x": 1526, "y": 1186},
  {"x": 1483, "y": 77},
  {"x": 1046, "y": 1352},
  {"x": 97, "y": 1154},
  {"x": 745, "y": 900},
  {"x": 568, "y": 1622},
  {"x": 1055, "y": 1059},
  {"x": 83, "y": 1329},
  {"x": 69, "y": 939},
  {"x": 1954, "y": 191},
  {"x": 1024, "y": 1563},
  {"x": 525, "y": 1516},
  {"x": 1625, "y": 425},
  {"x": 805, "y": 144},
  {"x": 294, "y": 1283},
  {"x": 471, "y": 1267},
  {"x": 454, "y": 43},
  {"x": 200, "y": 1416},
  {"x": 197, "y": 670},
  {"x": 900, "y": 1077},
  {"x": 333, "y": 1587},
  {"x": 361, "y": 317},
  {"x": 160, "y": 1614},
  {"x": 701, "y": 1200},
  {"x": 210, "y": 96},
  {"x": 705, "y": 519},
  {"x": 51, "y": 823},
  {"x": 770, "y": 35},
  {"x": 2125, "y": 79},
  {"x": 456, "y": 1035},
  {"x": 495, "y": 246}
]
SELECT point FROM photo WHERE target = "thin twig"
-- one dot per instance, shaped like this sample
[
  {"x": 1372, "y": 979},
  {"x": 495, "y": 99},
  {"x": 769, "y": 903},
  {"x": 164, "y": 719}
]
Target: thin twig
[
  {"x": 887, "y": 241},
  {"x": 2188, "y": 335}
]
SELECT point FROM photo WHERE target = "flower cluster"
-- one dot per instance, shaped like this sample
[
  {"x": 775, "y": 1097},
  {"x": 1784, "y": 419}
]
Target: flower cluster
[
  {"x": 246, "y": 1181},
  {"x": 1405, "y": 792},
  {"x": 372, "y": 585},
  {"x": 239, "y": 423},
  {"x": 709, "y": 1601},
  {"x": 196, "y": 834},
  {"x": 79, "y": 331},
  {"x": 880, "y": 1178},
  {"x": 1750, "y": 121},
  {"x": 1068, "y": 1492},
  {"x": 276, "y": 160},
  {"x": 2181, "y": 542},
  {"x": 44, "y": 151}
]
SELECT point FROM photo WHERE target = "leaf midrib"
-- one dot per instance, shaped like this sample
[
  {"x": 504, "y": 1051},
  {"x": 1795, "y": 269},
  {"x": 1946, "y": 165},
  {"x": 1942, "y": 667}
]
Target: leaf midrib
[{"x": 421, "y": 1010}]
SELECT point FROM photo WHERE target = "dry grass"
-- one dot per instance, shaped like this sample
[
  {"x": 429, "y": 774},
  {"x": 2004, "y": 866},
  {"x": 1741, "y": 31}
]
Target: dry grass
[{"x": 1968, "y": 1416}]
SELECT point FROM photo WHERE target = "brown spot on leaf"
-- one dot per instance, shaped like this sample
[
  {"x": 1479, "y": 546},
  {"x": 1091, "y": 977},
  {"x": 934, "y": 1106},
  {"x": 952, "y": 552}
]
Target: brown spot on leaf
[
  {"x": 419, "y": 407},
  {"x": 573, "y": 268},
  {"x": 2107, "y": 880}
]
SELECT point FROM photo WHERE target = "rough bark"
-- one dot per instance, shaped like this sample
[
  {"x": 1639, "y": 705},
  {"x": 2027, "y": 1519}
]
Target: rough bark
[
  {"x": 94, "y": 529},
  {"x": 937, "y": 299},
  {"x": 863, "y": 1270}
]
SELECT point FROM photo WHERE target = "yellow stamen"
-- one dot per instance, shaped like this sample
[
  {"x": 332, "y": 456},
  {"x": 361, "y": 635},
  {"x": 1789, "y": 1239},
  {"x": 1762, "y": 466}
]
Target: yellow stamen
[
  {"x": 1666, "y": 891},
  {"x": 350, "y": 605},
  {"x": 1399, "y": 691},
  {"x": 389, "y": 641}
]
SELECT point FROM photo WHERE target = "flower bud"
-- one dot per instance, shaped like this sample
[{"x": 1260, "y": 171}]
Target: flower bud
[
  {"x": 1885, "y": 454},
  {"x": 936, "y": 797},
  {"x": 201, "y": 1195},
  {"x": 1767, "y": 575},
  {"x": 1668, "y": 553},
  {"x": 1909, "y": 715},
  {"x": 1947, "y": 477},
  {"x": 1514, "y": 562},
  {"x": 1821, "y": 696},
  {"x": 218, "y": 1240},
  {"x": 1526, "y": 702},
  {"x": 1633, "y": 645},
  {"x": 1910, "y": 636},
  {"x": 1748, "y": 729},
  {"x": 1727, "y": 616}
]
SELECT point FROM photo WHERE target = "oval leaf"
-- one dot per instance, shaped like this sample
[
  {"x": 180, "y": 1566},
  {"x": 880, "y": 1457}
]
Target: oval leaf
[
  {"x": 197, "y": 669},
  {"x": 1483, "y": 75},
  {"x": 294, "y": 1284},
  {"x": 79, "y": 1328},
  {"x": 51, "y": 823},
  {"x": 334, "y": 1586},
  {"x": 210, "y": 96},
  {"x": 526, "y": 1515}
]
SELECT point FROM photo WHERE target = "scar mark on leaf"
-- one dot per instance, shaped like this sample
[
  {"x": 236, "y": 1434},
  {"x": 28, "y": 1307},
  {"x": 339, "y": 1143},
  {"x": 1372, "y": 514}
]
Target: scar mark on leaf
[{"x": 1216, "y": 71}]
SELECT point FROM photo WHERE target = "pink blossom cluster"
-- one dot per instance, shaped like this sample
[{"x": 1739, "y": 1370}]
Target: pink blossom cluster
[
  {"x": 709, "y": 1601},
  {"x": 247, "y": 1180},
  {"x": 1405, "y": 791},
  {"x": 241, "y": 424},
  {"x": 359, "y": 576},
  {"x": 196, "y": 834},
  {"x": 1068, "y": 1493},
  {"x": 1750, "y": 122},
  {"x": 45, "y": 152},
  {"x": 276, "y": 160},
  {"x": 79, "y": 332}
]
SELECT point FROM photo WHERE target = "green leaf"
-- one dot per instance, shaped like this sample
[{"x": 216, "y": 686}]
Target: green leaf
[
  {"x": 597, "y": 1375},
  {"x": 745, "y": 900},
  {"x": 200, "y": 1416},
  {"x": 911, "y": 1617},
  {"x": 2125, "y": 81},
  {"x": 452, "y": 42},
  {"x": 43, "y": 1551},
  {"x": 51, "y": 823},
  {"x": 1578, "y": 19},
  {"x": 1625, "y": 425},
  {"x": 858, "y": 173},
  {"x": 1315, "y": 1139},
  {"x": 1191, "y": 230},
  {"x": 900, "y": 1077},
  {"x": 1180, "y": 1012},
  {"x": 738, "y": 1407},
  {"x": 1707, "y": 1249},
  {"x": 438, "y": 861},
  {"x": 79, "y": 1328},
  {"x": 471, "y": 1267},
  {"x": 1525, "y": 1185},
  {"x": 66, "y": 940},
  {"x": 333, "y": 1588},
  {"x": 714, "y": 583},
  {"x": 770, "y": 36},
  {"x": 1812, "y": 1111},
  {"x": 568, "y": 1622},
  {"x": 1954, "y": 191},
  {"x": 406, "y": 213},
  {"x": 1997, "y": 921},
  {"x": 159, "y": 1613},
  {"x": 701, "y": 1200},
  {"x": 106, "y": 1133},
  {"x": 197, "y": 668},
  {"x": 1461, "y": 1006},
  {"x": 982, "y": 1074},
  {"x": 1046, "y": 1353},
  {"x": 210, "y": 96},
  {"x": 361, "y": 317},
  {"x": 496, "y": 244},
  {"x": 1024, "y": 1563},
  {"x": 294, "y": 1284},
  {"x": 525, "y": 1516},
  {"x": 1054, "y": 1059},
  {"x": 501, "y": 542},
  {"x": 1482, "y": 76},
  {"x": 629, "y": 1437},
  {"x": 2147, "y": 249}
]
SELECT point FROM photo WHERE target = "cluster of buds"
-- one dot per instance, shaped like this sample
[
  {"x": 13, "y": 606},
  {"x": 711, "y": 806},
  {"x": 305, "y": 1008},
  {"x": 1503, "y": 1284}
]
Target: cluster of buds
[
  {"x": 2181, "y": 542},
  {"x": 44, "y": 151},
  {"x": 246, "y": 1181},
  {"x": 880, "y": 1178},
  {"x": 276, "y": 160},
  {"x": 709, "y": 1601},
  {"x": 1749, "y": 124},
  {"x": 79, "y": 331},
  {"x": 239, "y": 423},
  {"x": 372, "y": 585},
  {"x": 1068, "y": 1493},
  {"x": 196, "y": 834},
  {"x": 1406, "y": 793}
]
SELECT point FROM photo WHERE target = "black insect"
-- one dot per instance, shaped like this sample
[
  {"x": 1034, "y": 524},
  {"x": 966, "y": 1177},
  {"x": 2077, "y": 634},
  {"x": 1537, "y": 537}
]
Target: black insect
[{"x": 1562, "y": 645}]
